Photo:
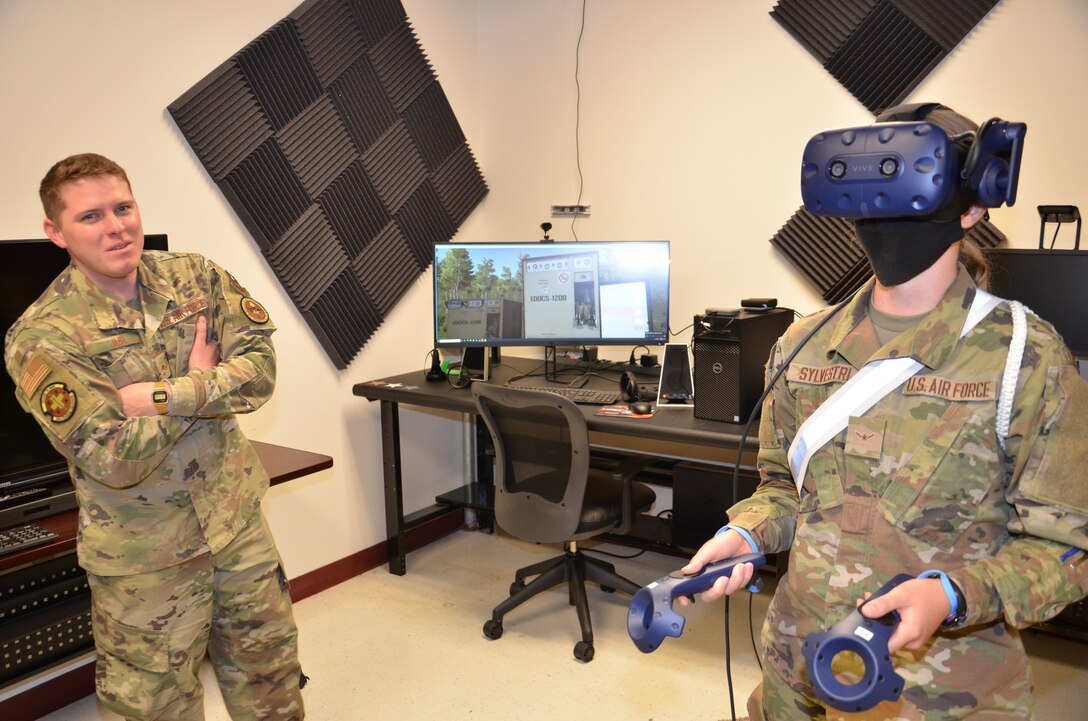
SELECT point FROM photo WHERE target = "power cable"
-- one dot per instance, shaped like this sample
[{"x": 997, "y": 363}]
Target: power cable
[{"x": 578, "y": 115}]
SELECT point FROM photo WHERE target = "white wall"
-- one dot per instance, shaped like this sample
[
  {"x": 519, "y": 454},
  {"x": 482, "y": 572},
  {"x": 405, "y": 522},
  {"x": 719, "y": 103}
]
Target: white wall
[{"x": 693, "y": 116}]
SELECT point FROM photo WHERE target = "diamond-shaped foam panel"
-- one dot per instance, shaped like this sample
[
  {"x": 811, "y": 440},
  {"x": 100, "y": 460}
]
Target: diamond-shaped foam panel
[
  {"x": 880, "y": 50},
  {"x": 333, "y": 142},
  {"x": 825, "y": 250}
]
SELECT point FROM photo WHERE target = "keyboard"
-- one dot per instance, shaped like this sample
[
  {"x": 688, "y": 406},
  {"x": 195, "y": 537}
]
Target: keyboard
[
  {"x": 20, "y": 537},
  {"x": 585, "y": 396}
]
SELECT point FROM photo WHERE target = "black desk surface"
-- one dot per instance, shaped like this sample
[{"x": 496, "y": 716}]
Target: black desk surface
[{"x": 667, "y": 424}]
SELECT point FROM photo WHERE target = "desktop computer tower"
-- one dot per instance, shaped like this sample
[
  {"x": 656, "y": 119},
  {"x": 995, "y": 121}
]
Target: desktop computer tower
[
  {"x": 701, "y": 495},
  {"x": 730, "y": 352}
]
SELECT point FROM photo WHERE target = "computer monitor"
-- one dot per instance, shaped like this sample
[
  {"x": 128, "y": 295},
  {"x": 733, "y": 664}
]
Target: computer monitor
[
  {"x": 551, "y": 294},
  {"x": 27, "y": 267},
  {"x": 1053, "y": 283}
]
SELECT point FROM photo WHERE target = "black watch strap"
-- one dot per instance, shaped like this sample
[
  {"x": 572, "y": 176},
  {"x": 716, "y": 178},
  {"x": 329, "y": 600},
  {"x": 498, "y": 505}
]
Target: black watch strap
[{"x": 960, "y": 616}]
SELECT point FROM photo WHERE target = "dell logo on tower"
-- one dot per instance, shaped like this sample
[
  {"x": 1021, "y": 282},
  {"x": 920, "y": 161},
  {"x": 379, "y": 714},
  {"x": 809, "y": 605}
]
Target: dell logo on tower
[{"x": 717, "y": 369}]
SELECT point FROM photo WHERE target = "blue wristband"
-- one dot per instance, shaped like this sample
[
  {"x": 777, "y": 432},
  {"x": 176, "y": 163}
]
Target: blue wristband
[
  {"x": 946, "y": 584},
  {"x": 743, "y": 534}
]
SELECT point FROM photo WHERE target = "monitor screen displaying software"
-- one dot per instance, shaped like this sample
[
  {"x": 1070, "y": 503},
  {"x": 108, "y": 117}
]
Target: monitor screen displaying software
[{"x": 600, "y": 293}]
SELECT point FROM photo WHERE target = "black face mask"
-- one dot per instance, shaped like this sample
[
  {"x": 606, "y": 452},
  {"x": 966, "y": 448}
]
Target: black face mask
[{"x": 898, "y": 250}]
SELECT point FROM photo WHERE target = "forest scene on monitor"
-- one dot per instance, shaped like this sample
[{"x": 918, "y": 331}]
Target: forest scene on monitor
[{"x": 544, "y": 293}]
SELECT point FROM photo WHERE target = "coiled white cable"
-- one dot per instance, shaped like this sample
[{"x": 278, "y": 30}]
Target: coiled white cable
[{"x": 1012, "y": 369}]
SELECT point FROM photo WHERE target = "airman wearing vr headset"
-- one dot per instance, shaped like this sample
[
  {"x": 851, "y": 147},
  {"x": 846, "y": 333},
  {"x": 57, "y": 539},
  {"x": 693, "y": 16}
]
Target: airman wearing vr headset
[{"x": 970, "y": 473}]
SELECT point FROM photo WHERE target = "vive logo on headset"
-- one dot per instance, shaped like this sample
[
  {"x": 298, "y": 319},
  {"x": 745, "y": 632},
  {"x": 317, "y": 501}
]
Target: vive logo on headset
[{"x": 910, "y": 169}]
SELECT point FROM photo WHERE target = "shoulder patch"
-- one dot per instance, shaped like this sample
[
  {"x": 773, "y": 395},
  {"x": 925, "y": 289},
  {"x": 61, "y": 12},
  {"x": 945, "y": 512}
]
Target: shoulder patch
[
  {"x": 62, "y": 398},
  {"x": 35, "y": 372},
  {"x": 58, "y": 402},
  {"x": 254, "y": 311}
]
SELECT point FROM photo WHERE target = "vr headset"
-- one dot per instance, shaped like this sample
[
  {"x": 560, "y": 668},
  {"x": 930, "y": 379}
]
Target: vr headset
[{"x": 911, "y": 168}]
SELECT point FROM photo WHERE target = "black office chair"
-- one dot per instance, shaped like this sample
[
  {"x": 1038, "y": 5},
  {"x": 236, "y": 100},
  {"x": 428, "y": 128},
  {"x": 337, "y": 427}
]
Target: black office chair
[{"x": 546, "y": 492}]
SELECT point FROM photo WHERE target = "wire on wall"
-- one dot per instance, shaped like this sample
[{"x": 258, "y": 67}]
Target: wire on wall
[{"x": 578, "y": 115}]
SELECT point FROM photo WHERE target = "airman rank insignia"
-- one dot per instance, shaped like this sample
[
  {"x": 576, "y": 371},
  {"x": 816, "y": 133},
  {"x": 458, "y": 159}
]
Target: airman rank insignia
[
  {"x": 58, "y": 402},
  {"x": 254, "y": 311}
]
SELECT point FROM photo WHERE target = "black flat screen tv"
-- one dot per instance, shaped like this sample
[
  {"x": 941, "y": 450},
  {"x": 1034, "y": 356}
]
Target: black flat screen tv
[
  {"x": 549, "y": 294},
  {"x": 1053, "y": 283},
  {"x": 27, "y": 267}
]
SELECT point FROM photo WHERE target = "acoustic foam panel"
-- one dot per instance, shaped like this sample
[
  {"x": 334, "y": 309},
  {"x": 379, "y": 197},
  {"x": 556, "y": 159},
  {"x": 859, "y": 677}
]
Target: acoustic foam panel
[
  {"x": 879, "y": 50},
  {"x": 333, "y": 142},
  {"x": 826, "y": 251}
]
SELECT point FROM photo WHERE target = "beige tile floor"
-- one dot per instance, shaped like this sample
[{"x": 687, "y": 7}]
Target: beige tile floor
[{"x": 386, "y": 647}]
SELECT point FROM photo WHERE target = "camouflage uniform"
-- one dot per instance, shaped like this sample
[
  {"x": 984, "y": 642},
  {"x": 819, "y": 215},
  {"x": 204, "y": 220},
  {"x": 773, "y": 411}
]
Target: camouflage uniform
[
  {"x": 920, "y": 482},
  {"x": 164, "y": 500}
]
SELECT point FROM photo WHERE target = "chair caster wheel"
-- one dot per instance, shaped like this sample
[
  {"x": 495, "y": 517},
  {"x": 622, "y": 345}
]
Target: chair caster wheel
[
  {"x": 516, "y": 586},
  {"x": 493, "y": 629},
  {"x": 608, "y": 589},
  {"x": 583, "y": 651}
]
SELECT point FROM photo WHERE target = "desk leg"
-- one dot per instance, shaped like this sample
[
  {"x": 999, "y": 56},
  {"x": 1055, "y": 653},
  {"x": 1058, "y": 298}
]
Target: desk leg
[{"x": 394, "y": 490}]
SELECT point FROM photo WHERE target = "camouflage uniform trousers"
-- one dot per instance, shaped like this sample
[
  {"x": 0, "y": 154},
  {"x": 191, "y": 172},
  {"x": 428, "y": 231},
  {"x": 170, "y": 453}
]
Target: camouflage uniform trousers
[
  {"x": 152, "y": 631},
  {"x": 782, "y": 702}
]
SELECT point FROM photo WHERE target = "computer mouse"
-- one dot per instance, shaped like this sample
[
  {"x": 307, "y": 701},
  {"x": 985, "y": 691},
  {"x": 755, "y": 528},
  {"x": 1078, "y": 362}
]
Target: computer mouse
[{"x": 641, "y": 408}]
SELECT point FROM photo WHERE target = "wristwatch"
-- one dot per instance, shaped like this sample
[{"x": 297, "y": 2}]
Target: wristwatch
[
  {"x": 956, "y": 619},
  {"x": 957, "y": 603},
  {"x": 160, "y": 397}
]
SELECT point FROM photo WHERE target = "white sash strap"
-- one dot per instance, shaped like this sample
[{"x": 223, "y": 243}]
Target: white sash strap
[{"x": 874, "y": 381}]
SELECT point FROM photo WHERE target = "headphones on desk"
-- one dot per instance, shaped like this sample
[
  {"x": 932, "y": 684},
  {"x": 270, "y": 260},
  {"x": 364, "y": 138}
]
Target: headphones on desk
[
  {"x": 632, "y": 391},
  {"x": 458, "y": 376}
]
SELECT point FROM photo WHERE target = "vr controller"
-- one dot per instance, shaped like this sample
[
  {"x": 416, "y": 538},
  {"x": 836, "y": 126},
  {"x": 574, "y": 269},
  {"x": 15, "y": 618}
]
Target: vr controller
[
  {"x": 651, "y": 618},
  {"x": 868, "y": 638},
  {"x": 910, "y": 169}
]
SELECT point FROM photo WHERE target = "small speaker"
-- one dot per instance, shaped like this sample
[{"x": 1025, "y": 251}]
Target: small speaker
[
  {"x": 478, "y": 361},
  {"x": 730, "y": 357},
  {"x": 675, "y": 386}
]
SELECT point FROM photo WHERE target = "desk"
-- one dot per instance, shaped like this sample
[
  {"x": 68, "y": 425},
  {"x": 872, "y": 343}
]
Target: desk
[{"x": 671, "y": 433}]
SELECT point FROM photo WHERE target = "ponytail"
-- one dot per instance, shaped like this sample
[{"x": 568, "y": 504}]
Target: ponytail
[{"x": 975, "y": 261}]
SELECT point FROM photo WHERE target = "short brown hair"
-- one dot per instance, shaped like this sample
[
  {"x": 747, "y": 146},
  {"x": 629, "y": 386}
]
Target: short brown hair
[{"x": 72, "y": 168}]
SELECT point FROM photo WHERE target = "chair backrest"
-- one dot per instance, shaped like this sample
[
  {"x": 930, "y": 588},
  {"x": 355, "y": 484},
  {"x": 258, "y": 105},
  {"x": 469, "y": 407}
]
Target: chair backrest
[{"x": 541, "y": 460}]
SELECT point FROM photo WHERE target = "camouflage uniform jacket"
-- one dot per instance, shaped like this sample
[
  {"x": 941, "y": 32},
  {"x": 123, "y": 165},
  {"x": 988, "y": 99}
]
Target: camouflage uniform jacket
[
  {"x": 920, "y": 482},
  {"x": 152, "y": 491}
]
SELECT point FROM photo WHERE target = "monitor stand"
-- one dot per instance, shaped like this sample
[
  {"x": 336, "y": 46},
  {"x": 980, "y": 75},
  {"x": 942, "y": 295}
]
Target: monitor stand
[{"x": 551, "y": 370}]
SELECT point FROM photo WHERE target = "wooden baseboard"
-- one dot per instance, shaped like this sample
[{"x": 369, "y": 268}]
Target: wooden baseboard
[
  {"x": 45, "y": 697},
  {"x": 336, "y": 572}
]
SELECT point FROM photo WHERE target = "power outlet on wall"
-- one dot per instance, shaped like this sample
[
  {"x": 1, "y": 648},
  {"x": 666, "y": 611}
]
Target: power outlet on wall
[{"x": 572, "y": 209}]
